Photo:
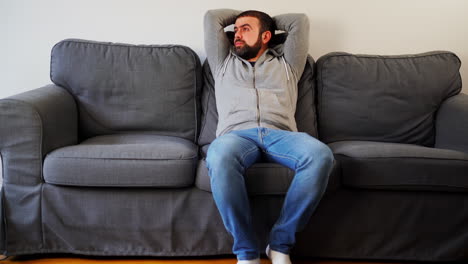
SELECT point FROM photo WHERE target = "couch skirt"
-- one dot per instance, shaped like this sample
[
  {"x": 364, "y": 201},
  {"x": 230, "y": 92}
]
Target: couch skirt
[{"x": 349, "y": 223}]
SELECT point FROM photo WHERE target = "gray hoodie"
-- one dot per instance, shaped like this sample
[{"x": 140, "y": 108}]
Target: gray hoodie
[{"x": 263, "y": 95}]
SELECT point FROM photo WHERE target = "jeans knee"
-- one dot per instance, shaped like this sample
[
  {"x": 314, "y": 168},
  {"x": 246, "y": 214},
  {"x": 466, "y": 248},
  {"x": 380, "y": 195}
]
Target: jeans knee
[
  {"x": 321, "y": 158},
  {"x": 215, "y": 157},
  {"x": 326, "y": 155},
  {"x": 321, "y": 154},
  {"x": 222, "y": 156}
]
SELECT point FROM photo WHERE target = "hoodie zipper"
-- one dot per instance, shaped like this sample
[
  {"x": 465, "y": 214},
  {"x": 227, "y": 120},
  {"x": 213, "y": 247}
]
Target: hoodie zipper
[{"x": 258, "y": 97}]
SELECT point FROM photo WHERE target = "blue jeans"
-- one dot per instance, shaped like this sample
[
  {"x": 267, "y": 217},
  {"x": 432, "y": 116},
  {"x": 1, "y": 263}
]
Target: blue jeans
[{"x": 231, "y": 154}]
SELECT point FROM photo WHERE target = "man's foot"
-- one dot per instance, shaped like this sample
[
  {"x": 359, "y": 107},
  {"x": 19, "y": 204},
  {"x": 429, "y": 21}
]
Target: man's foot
[
  {"x": 252, "y": 261},
  {"x": 277, "y": 257}
]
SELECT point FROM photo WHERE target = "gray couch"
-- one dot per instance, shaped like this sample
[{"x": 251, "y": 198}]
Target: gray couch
[{"x": 109, "y": 159}]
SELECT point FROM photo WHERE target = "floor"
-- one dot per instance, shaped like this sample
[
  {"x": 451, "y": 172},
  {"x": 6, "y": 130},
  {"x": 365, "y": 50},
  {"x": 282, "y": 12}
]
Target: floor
[{"x": 225, "y": 260}]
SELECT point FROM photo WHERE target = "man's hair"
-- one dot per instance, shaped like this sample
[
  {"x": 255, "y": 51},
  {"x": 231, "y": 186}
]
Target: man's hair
[{"x": 266, "y": 22}]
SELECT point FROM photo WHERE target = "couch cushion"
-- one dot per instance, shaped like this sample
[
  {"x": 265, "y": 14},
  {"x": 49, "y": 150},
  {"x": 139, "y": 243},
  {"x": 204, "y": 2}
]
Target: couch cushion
[
  {"x": 121, "y": 87},
  {"x": 305, "y": 109},
  {"x": 124, "y": 160},
  {"x": 401, "y": 166},
  {"x": 384, "y": 98}
]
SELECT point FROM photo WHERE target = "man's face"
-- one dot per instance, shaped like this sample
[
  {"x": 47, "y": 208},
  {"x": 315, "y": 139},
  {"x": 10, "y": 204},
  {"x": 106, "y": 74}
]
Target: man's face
[{"x": 247, "y": 37}]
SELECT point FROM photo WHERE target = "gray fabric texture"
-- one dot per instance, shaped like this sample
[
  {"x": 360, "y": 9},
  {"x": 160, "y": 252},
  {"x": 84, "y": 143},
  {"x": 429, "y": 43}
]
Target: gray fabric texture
[
  {"x": 32, "y": 124},
  {"x": 305, "y": 108},
  {"x": 401, "y": 166},
  {"x": 452, "y": 124},
  {"x": 124, "y": 88},
  {"x": 124, "y": 160},
  {"x": 132, "y": 222},
  {"x": 384, "y": 98},
  {"x": 2, "y": 222},
  {"x": 265, "y": 178},
  {"x": 348, "y": 224},
  {"x": 370, "y": 149},
  {"x": 209, "y": 116},
  {"x": 51, "y": 108},
  {"x": 387, "y": 225}
]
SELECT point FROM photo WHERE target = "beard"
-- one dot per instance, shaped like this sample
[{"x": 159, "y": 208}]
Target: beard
[{"x": 248, "y": 52}]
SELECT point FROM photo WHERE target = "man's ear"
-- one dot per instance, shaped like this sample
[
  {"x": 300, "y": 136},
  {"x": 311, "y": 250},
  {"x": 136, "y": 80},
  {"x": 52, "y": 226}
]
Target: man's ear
[{"x": 266, "y": 37}]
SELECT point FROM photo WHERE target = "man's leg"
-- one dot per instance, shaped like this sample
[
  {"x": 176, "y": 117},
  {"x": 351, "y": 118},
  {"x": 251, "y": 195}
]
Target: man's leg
[
  {"x": 312, "y": 161},
  {"x": 227, "y": 159}
]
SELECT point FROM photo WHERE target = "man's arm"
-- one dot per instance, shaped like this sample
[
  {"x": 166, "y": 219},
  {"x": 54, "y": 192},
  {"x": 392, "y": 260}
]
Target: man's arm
[
  {"x": 217, "y": 45},
  {"x": 296, "y": 46}
]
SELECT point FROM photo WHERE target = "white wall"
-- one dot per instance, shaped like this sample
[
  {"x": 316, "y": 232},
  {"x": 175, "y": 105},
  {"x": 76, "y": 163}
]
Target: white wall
[{"x": 29, "y": 28}]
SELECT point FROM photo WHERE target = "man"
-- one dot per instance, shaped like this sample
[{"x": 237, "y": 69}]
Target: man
[{"x": 256, "y": 94}]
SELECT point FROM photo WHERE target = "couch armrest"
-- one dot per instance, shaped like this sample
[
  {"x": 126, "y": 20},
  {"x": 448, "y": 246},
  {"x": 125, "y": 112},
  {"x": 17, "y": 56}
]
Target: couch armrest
[
  {"x": 452, "y": 124},
  {"x": 33, "y": 124}
]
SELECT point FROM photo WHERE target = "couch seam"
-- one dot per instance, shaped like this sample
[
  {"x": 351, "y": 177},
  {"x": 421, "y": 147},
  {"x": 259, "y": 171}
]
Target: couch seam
[
  {"x": 410, "y": 185},
  {"x": 118, "y": 185},
  {"x": 402, "y": 157},
  {"x": 188, "y": 158},
  {"x": 403, "y": 56},
  {"x": 101, "y": 43}
]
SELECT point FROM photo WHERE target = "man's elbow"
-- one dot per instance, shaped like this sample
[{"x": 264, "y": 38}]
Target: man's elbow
[
  {"x": 209, "y": 17},
  {"x": 303, "y": 19}
]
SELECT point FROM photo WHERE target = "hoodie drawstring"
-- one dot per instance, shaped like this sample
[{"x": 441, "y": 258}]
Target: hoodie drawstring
[
  {"x": 226, "y": 63},
  {"x": 285, "y": 67}
]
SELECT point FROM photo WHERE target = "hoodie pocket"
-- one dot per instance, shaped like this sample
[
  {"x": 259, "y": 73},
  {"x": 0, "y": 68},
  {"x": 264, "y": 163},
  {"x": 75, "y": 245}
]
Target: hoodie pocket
[
  {"x": 243, "y": 100},
  {"x": 273, "y": 108}
]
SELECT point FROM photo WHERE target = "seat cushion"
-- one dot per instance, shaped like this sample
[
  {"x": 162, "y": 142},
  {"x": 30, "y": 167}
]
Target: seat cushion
[
  {"x": 264, "y": 178},
  {"x": 380, "y": 165},
  {"x": 124, "y": 160},
  {"x": 384, "y": 98}
]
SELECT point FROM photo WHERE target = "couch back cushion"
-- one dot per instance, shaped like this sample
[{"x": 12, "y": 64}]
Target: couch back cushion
[
  {"x": 384, "y": 98},
  {"x": 121, "y": 88},
  {"x": 305, "y": 109}
]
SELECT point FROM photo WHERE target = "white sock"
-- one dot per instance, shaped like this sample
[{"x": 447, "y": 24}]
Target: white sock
[
  {"x": 277, "y": 257},
  {"x": 251, "y": 261}
]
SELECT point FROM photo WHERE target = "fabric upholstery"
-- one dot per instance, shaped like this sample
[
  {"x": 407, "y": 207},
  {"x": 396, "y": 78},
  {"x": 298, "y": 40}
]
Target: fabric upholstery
[
  {"x": 124, "y": 88},
  {"x": 50, "y": 109},
  {"x": 388, "y": 225},
  {"x": 132, "y": 222},
  {"x": 401, "y": 166},
  {"x": 384, "y": 98},
  {"x": 348, "y": 224},
  {"x": 452, "y": 124},
  {"x": 305, "y": 109},
  {"x": 31, "y": 124},
  {"x": 125, "y": 161}
]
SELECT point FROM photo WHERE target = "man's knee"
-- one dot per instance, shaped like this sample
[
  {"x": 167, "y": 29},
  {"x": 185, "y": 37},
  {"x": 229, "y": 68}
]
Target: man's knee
[
  {"x": 216, "y": 154},
  {"x": 318, "y": 151},
  {"x": 221, "y": 150},
  {"x": 325, "y": 154}
]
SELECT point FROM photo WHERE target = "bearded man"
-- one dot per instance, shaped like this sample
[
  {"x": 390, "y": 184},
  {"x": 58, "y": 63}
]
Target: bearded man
[{"x": 256, "y": 94}]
